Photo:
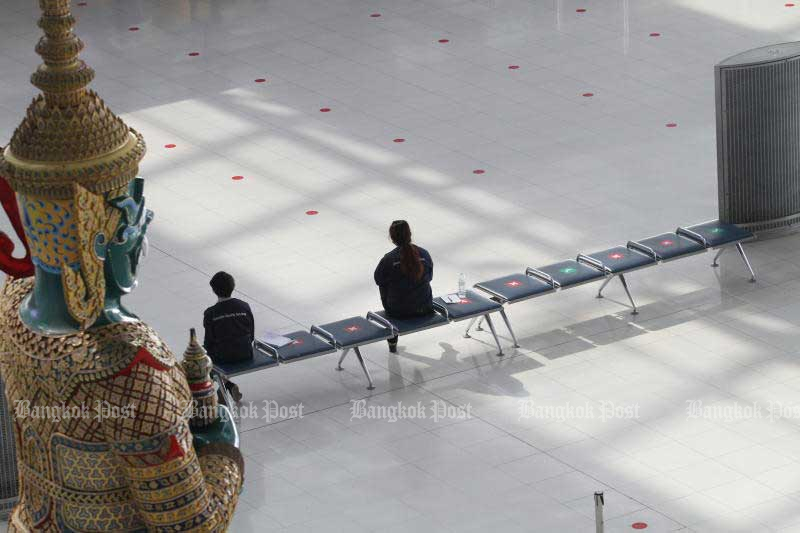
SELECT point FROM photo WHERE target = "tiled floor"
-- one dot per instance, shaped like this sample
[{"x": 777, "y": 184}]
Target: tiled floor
[{"x": 575, "y": 155}]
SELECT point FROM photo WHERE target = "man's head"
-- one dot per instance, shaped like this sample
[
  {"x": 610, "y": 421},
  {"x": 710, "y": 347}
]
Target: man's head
[{"x": 222, "y": 284}]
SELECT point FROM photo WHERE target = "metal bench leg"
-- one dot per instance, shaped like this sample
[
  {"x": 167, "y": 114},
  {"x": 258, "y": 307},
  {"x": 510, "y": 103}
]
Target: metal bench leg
[
  {"x": 364, "y": 367},
  {"x": 494, "y": 333},
  {"x": 227, "y": 399},
  {"x": 716, "y": 257},
  {"x": 508, "y": 325},
  {"x": 339, "y": 365},
  {"x": 625, "y": 286},
  {"x": 603, "y": 286},
  {"x": 746, "y": 262},
  {"x": 469, "y": 326},
  {"x": 480, "y": 323}
]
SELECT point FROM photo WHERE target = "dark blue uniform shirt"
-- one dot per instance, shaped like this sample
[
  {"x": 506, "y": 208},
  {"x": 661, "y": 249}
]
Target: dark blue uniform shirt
[{"x": 401, "y": 295}]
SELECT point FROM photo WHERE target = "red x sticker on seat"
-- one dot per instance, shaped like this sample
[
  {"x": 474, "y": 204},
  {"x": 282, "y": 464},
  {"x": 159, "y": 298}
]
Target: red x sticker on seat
[
  {"x": 667, "y": 242},
  {"x": 465, "y": 301},
  {"x": 352, "y": 329},
  {"x": 513, "y": 283},
  {"x": 298, "y": 342},
  {"x": 616, "y": 255}
]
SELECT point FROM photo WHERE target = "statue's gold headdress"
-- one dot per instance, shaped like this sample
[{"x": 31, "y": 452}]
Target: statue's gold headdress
[{"x": 67, "y": 157}]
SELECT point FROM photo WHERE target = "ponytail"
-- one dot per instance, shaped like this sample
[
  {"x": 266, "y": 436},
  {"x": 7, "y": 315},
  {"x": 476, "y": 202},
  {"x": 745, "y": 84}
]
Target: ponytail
[{"x": 410, "y": 261}]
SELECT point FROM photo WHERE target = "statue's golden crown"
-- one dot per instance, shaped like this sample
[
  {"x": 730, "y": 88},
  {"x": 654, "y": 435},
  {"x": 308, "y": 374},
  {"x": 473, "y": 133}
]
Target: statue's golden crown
[{"x": 68, "y": 135}]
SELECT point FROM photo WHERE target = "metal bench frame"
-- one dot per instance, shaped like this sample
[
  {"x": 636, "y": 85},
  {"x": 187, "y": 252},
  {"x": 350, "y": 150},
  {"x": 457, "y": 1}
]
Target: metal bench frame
[
  {"x": 346, "y": 348},
  {"x": 219, "y": 376},
  {"x": 689, "y": 234}
]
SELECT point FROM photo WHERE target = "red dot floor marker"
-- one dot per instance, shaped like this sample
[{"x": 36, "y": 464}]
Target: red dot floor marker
[
  {"x": 237, "y": 178},
  {"x": 133, "y": 28},
  {"x": 655, "y": 34},
  {"x": 260, "y": 80},
  {"x": 170, "y": 145},
  {"x": 478, "y": 171},
  {"x": 312, "y": 212},
  {"x": 639, "y": 525},
  {"x": 444, "y": 40},
  {"x": 580, "y": 10},
  {"x": 789, "y": 5},
  {"x": 375, "y": 15},
  {"x": 399, "y": 140},
  {"x": 513, "y": 67},
  {"x": 672, "y": 125},
  {"x": 325, "y": 110},
  {"x": 193, "y": 54},
  {"x": 587, "y": 95}
]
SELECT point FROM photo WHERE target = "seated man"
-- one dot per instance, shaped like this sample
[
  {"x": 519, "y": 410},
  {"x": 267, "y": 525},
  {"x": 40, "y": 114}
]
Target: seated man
[{"x": 229, "y": 327}]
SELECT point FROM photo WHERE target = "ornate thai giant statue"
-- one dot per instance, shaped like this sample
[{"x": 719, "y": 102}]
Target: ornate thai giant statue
[{"x": 102, "y": 410}]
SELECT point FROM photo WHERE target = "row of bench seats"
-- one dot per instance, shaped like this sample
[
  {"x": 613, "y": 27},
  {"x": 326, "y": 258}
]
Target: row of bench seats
[{"x": 354, "y": 332}]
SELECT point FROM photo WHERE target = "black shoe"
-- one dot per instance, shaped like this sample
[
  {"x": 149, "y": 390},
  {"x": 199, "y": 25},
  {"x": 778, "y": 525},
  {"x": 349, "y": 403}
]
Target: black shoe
[
  {"x": 234, "y": 390},
  {"x": 393, "y": 347}
]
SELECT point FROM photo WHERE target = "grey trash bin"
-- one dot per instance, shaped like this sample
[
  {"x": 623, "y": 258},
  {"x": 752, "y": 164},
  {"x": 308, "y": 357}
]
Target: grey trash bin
[
  {"x": 758, "y": 137},
  {"x": 9, "y": 487}
]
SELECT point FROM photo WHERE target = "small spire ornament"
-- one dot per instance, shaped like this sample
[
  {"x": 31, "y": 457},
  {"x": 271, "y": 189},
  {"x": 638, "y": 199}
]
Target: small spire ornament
[{"x": 197, "y": 367}]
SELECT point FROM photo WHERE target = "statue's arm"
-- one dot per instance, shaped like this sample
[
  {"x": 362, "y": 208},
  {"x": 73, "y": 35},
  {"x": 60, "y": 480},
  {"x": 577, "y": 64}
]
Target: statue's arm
[{"x": 176, "y": 486}]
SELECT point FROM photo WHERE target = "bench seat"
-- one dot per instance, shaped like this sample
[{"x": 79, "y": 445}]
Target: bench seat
[
  {"x": 569, "y": 273},
  {"x": 515, "y": 288},
  {"x": 668, "y": 246},
  {"x": 404, "y": 326},
  {"x": 716, "y": 233},
  {"x": 303, "y": 346},
  {"x": 261, "y": 359},
  {"x": 620, "y": 259},
  {"x": 354, "y": 331},
  {"x": 471, "y": 306}
]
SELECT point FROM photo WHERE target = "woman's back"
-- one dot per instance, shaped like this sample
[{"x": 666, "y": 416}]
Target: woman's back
[{"x": 404, "y": 293}]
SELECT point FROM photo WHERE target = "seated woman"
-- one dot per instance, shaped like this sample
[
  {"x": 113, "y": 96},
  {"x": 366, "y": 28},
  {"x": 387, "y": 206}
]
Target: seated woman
[{"x": 404, "y": 278}]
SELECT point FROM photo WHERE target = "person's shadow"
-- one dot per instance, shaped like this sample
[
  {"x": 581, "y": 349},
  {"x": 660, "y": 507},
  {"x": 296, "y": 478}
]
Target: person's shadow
[{"x": 493, "y": 379}]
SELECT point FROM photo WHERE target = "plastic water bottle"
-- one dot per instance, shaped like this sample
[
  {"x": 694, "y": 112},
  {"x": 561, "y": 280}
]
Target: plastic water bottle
[{"x": 462, "y": 286}]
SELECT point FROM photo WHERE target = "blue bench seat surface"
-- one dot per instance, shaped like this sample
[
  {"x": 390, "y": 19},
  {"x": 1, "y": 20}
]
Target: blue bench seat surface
[
  {"x": 303, "y": 345},
  {"x": 671, "y": 245},
  {"x": 571, "y": 272},
  {"x": 259, "y": 361},
  {"x": 410, "y": 325},
  {"x": 515, "y": 287},
  {"x": 718, "y": 233},
  {"x": 356, "y": 331},
  {"x": 620, "y": 259},
  {"x": 472, "y": 305}
]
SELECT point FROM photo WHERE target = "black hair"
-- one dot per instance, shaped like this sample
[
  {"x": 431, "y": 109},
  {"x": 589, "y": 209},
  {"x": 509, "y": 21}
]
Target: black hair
[
  {"x": 222, "y": 284},
  {"x": 410, "y": 261}
]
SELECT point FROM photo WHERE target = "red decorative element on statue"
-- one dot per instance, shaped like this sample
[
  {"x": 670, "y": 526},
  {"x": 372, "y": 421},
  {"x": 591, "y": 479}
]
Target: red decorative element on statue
[
  {"x": 176, "y": 451},
  {"x": 145, "y": 358},
  {"x": 16, "y": 267},
  {"x": 194, "y": 387}
]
